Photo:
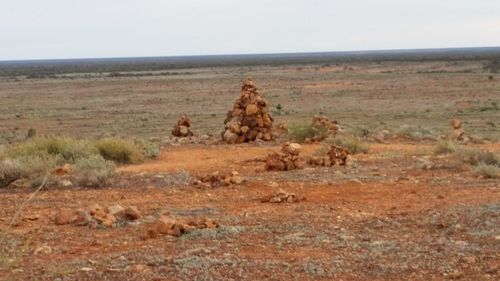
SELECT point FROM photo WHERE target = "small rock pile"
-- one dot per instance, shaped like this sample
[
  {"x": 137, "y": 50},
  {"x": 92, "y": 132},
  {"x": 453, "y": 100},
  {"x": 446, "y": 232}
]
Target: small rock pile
[
  {"x": 218, "y": 179},
  {"x": 281, "y": 196},
  {"x": 177, "y": 227},
  {"x": 249, "y": 119},
  {"x": 457, "y": 133},
  {"x": 97, "y": 216},
  {"x": 286, "y": 160},
  {"x": 336, "y": 156},
  {"x": 181, "y": 129},
  {"x": 330, "y": 126}
]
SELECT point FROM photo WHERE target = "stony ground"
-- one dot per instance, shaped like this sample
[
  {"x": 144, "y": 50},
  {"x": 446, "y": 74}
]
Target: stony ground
[{"x": 398, "y": 212}]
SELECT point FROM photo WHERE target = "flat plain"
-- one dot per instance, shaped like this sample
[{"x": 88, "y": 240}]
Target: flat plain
[{"x": 398, "y": 211}]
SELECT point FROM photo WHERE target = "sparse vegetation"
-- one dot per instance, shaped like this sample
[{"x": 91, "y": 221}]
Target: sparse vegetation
[
  {"x": 301, "y": 132},
  {"x": 94, "y": 171},
  {"x": 120, "y": 150},
  {"x": 351, "y": 143},
  {"x": 445, "y": 147},
  {"x": 93, "y": 159},
  {"x": 487, "y": 170},
  {"x": 415, "y": 133},
  {"x": 474, "y": 157}
]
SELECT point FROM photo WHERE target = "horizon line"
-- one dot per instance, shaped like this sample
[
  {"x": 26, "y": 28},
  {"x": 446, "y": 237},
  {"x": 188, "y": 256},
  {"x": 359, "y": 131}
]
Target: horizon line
[{"x": 360, "y": 51}]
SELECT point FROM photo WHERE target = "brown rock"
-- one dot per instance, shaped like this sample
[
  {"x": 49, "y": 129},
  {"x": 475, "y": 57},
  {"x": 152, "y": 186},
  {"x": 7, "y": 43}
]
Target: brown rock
[
  {"x": 456, "y": 124},
  {"x": 168, "y": 226},
  {"x": 132, "y": 213},
  {"x": 64, "y": 217},
  {"x": 252, "y": 109}
]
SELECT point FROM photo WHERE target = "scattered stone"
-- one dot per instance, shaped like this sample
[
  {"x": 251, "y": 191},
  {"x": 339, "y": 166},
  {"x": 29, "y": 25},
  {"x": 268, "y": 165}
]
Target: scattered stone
[
  {"x": 336, "y": 156},
  {"x": 286, "y": 160},
  {"x": 116, "y": 210},
  {"x": 62, "y": 170},
  {"x": 281, "y": 196},
  {"x": 43, "y": 250},
  {"x": 65, "y": 183},
  {"x": 176, "y": 227},
  {"x": 132, "y": 213},
  {"x": 86, "y": 269},
  {"x": 249, "y": 120},
  {"x": 181, "y": 129},
  {"x": 64, "y": 217},
  {"x": 218, "y": 179}
]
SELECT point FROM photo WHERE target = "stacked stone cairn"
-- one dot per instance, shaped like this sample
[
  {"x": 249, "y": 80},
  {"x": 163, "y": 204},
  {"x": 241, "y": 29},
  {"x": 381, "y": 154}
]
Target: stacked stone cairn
[
  {"x": 336, "y": 156},
  {"x": 182, "y": 128},
  {"x": 249, "y": 120},
  {"x": 330, "y": 126},
  {"x": 286, "y": 160}
]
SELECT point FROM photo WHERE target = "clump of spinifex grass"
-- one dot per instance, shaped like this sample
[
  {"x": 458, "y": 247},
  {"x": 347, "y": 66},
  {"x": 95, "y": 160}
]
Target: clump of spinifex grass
[{"x": 94, "y": 160}]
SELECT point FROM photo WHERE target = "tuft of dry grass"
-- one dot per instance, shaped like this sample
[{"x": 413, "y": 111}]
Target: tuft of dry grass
[
  {"x": 351, "y": 143},
  {"x": 487, "y": 170},
  {"x": 120, "y": 150},
  {"x": 445, "y": 147},
  {"x": 301, "y": 132}
]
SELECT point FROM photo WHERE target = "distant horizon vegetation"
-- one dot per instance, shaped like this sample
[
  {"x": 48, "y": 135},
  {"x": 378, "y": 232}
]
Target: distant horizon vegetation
[{"x": 45, "y": 67}]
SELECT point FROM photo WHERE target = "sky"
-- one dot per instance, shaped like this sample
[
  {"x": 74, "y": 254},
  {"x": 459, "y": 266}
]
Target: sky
[{"x": 50, "y": 29}]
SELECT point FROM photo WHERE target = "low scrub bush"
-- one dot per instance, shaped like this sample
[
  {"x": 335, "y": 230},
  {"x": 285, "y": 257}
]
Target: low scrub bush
[
  {"x": 475, "y": 157},
  {"x": 487, "y": 170},
  {"x": 445, "y": 147},
  {"x": 150, "y": 150},
  {"x": 301, "y": 132},
  {"x": 351, "y": 143},
  {"x": 33, "y": 166},
  {"x": 94, "y": 171},
  {"x": 415, "y": 133},
  {"x": 120, "y": 150}
]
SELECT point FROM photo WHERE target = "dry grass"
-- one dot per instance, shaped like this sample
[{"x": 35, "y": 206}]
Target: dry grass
[
  {"x": 301, "y": 132},
  {"x": 351, "y": 143},
  {"x": 445, "y": 147},
  {"x": 487, "y": 170}
]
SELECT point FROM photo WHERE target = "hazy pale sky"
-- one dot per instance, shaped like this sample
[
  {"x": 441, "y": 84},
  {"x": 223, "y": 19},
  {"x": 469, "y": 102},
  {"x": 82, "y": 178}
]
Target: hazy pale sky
[{"x": 45, "y": 29}]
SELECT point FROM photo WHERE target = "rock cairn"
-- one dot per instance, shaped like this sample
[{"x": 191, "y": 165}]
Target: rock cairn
[
  {"x": 249, "y": 119},
  {"x": 457, "y": 133},
  {"x": 330, "y": 126},
  {"x": 286, "y": 160},
  {"x": 182, "y": 128},
  {"x": 336, "y": 156}
]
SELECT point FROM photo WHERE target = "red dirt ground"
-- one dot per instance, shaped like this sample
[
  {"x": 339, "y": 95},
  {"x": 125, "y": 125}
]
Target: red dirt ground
[{"x": 384, "y": 218}]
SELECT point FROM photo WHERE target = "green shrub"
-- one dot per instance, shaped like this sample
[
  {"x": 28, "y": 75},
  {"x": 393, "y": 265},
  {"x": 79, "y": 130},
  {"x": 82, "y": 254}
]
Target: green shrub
[
  {"x": 351, "y": 143},
  {"x": 25, "y": 167},
  {"x": 475, "y": 157},
  {"x": 120, "y": 150},
  {"x": 94, "y": 171},
  {"x": 487, "y": 170},
  {"x": 301, "y": 132},
  {"x": 68, "y": 149},
  {"x": 445, "y": 147},
  {"x": 149, "y": 149}
]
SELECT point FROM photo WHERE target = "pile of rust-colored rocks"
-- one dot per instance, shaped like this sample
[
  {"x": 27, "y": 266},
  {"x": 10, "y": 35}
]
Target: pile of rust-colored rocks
[
  {"x": 336, "y": 156},
  {"x": 281, "y": 196},
  {"x": 457, "y": 133},
  {"x": 182, "y": 128},
  {"x": 286, "y": 160},
  {"x": 249, "y": 120},
  {"x": 176, "y": 227},
  {"x": 322, "y": 122},
  {"x": 218, "y": 179},
  {"x": 97, "y": 216}
]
